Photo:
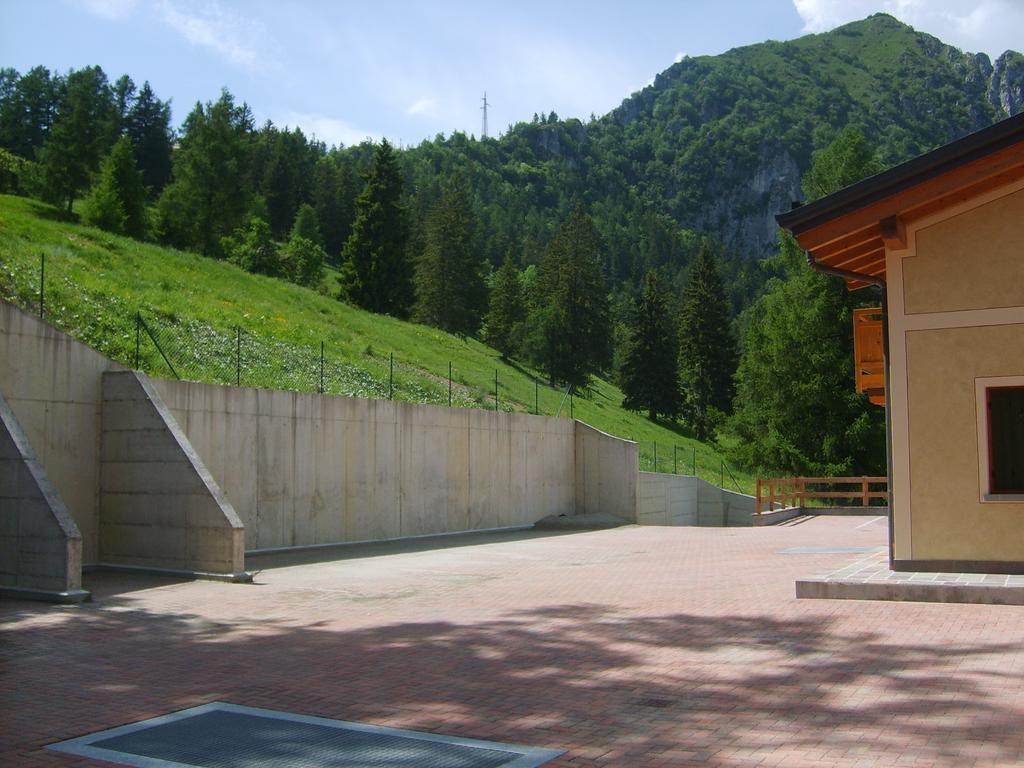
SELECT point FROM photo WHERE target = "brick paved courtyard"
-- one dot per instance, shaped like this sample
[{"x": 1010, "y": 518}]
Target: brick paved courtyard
[{"x": 628, "y": 647}]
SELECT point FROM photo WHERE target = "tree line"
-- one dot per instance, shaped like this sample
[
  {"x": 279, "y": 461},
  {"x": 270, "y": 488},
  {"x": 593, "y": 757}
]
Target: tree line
[{"x": 573, "y": 285}]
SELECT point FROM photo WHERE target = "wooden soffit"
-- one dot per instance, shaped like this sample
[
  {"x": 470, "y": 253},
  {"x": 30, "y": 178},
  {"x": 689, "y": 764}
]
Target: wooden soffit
[{"x": 853, "y": 228}]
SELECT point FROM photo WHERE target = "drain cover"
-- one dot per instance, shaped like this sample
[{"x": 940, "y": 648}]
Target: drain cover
[
  {"x": 826, "y": 550},
  {"x": 222, "y": 735}
]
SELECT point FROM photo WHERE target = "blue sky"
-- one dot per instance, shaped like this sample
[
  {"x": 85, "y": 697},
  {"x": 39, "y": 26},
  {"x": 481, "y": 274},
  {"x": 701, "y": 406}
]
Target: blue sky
[{"x": 350, "y": 70}]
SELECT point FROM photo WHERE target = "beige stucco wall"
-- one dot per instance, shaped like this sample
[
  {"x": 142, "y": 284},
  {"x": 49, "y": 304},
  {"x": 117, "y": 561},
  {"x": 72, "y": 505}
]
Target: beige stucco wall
[
  {"x": 303, "y": 469},
  {"x": 969, "y": 261},
  {"x": 52, "y": 384},
  {"x": 956, "y": 314},
  {"x": 949, "y": 520}
]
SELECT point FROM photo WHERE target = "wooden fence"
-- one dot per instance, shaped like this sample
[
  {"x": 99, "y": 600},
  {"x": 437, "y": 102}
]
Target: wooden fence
[{"x": 775, "y": 494}]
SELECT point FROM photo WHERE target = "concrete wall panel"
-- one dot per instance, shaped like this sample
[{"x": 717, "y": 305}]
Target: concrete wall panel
[
  {"x": 159, "y": 506},
  {"x": 332, "y": 469},
  {"x": 665, "y": 499},
  {"x": 40, "y": 545},
  {"x": 606, "y": 474},
  {"x": 52, "y": 384}
]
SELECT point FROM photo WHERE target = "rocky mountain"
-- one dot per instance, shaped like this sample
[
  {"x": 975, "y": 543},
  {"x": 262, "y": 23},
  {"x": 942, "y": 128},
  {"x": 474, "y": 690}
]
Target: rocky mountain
[
  {"x": 718, "y": 144},
  {"x": 729, "y": 136}
]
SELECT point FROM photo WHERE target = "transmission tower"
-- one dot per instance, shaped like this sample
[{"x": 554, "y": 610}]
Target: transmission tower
[{"x": 483, "y": 133}]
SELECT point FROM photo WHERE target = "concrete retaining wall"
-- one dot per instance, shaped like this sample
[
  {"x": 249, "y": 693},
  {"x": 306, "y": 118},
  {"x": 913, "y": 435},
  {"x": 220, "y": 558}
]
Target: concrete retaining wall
[
  {"x": 299, "y": 469},
  {"x": 665, "y": 499},
  {"x": 52, "y": 384},
  {"x": 159, "y": 506},
  {"x": 305, "y": 469},
  {"x": 40, "y": 545},
  {"x": 606, "y": 474}
]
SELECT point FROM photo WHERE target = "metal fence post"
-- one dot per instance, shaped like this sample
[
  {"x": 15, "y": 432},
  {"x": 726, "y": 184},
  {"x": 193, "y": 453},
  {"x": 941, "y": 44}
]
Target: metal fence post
[
  {"x": 536, "y": 397},
  {"x": 495, "y": 389},
  {"x": 138, "y": 337},
  {"x": 721, "y": 483},
  {"x": 42, "y": 283},
  {"x": 572, "y": 416},
  {"x": 449, "y": 383},
  {"x": 391, "y": 377},
  {"x": 695, "y": 461},
  {"x": 321, "y": 367},
  {"x": 675, "y": 459},
  {"x": 655, "y": 455},
  {"x": 238, "y": 355}
]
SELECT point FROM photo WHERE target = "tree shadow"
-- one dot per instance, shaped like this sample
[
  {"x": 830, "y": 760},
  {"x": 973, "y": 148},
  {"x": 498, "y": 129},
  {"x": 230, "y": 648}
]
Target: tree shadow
[{"x": 580, "y": 677}]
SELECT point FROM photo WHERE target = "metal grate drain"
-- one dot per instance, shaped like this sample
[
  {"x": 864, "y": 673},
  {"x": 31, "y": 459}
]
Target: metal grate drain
[
  {"x": 222, "y": 735},
  {"x": 826, "y": 550}
]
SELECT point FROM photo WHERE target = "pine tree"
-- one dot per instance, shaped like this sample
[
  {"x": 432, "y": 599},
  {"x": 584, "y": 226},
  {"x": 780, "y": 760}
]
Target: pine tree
[
  {"x": 707, "y": 349},
  {"x": 375, "y": 273},
  {"x": 117, "y": 201},
  {"x": 570, "y": 326},
  {"x": 82, "y": 134},
  {"x": 450, "y": 289},
  {"x": 123, "y": 94},
  {"x": 506, "y": 312},
  {"x": 149, "y": 127},
  {"x": 28, "y": 106},
  {"x": 650, "y": 369},
  {"x": 210, "y": 195},
  {"x": 796, "y": 407}
]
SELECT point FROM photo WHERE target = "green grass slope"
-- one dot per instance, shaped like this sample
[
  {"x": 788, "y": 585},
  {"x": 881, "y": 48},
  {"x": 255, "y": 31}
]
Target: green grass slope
[{"x": 96, "y": 283}]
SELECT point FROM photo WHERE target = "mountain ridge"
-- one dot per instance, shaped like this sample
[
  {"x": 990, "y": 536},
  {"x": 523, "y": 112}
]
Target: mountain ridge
[{"x": 847, "y": 67}]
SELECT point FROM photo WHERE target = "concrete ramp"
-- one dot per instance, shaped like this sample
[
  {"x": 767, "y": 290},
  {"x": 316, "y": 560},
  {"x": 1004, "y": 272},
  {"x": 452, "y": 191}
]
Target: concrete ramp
[
  {"x": 40, "y": 545},
  {"x": 160, "y": 509}
]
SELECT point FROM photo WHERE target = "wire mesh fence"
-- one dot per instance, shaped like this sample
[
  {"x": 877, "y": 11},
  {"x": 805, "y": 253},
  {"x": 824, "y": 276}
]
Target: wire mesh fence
[
  {"x": 169, "y": 346},
  {"x": 685, "y": 460}
]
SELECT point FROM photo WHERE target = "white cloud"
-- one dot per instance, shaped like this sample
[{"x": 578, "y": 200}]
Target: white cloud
[
  {"x": 331, "y": 130},
  {"x": 242, "y": 41},
  {"x": 115, "y": 10},
  {"x": 679, "y": 57},
  {"x": 992, "y": 26},
  {"x": 425, "y": 106}
]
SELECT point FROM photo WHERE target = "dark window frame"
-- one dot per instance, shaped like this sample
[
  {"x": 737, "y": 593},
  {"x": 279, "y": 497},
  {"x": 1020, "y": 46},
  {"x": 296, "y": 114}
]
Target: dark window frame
[{"x": 994, "y": 488}]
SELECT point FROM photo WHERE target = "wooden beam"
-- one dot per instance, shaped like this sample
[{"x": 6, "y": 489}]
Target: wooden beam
[
  {"x": 845, "y": 243},
  {"x": 856, "y": 261},
  {"x": 835, "y": 258},
  {"x": 894, "y": 233}
]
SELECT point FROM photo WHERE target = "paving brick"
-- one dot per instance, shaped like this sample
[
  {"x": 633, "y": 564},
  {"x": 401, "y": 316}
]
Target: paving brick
[{"x": 543, "y": 640}]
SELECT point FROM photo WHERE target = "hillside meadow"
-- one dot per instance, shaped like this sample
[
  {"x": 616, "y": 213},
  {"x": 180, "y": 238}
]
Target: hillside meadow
[{"x": 217, "y": 323}]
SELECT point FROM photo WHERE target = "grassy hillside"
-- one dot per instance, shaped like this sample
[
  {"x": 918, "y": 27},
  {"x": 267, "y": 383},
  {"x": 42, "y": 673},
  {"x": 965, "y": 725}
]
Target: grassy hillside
[{"x": 97, "y": 282}]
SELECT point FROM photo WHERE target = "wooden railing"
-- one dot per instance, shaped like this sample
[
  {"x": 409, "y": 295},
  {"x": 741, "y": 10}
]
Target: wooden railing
[{"x": 776, "y": 494}]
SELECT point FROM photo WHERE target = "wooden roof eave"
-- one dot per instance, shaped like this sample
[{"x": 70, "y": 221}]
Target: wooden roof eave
[{"x": 853, "y": 228}]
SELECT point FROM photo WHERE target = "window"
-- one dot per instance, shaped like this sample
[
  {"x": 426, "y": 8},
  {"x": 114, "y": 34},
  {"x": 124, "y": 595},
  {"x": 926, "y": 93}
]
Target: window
[{"x": 1005, "y": 416}]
